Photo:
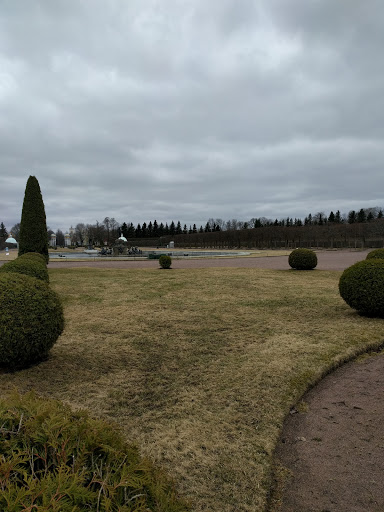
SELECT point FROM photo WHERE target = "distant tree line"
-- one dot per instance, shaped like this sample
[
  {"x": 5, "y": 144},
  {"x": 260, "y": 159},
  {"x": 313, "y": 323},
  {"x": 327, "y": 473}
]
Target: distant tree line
[{"x": 257, "y": 232}]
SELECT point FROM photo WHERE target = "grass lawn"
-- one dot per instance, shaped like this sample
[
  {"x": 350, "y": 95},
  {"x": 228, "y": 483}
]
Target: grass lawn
[{"x": 198, "y": 366}]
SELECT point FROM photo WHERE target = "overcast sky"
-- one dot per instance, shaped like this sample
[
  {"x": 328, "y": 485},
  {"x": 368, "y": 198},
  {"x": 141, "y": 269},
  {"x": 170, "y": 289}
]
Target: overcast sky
[{"x": 191, "y": 109}]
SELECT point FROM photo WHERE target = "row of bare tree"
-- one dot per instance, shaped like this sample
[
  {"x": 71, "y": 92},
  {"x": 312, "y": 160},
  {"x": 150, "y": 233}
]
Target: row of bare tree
[
  {"x": 318, "y": 229},
  {"x": 328, "y": 236}
]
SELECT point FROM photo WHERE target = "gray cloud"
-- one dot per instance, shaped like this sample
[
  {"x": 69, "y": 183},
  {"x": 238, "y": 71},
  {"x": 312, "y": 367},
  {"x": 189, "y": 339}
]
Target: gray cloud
[{"x": 192, "y": 109}]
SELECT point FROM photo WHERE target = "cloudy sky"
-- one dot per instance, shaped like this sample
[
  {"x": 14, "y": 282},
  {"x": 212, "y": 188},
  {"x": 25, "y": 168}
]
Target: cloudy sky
[{"x": 191, "y": 109}]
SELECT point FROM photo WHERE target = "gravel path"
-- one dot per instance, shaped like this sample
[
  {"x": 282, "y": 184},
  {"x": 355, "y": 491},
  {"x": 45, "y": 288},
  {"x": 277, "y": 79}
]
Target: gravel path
[{"x": 335, "y": 450}]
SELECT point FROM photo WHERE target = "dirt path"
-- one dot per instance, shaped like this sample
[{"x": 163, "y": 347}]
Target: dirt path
[{"x": 335, "y": 451}]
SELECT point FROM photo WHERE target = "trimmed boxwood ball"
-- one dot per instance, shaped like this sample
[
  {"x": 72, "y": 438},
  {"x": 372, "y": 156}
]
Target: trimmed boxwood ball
[
  {"x": 31, "y": 320},
  {"x": 28, "y": 266},
  {"x": 36, "y": 256},
  {"x": 165, "y": 261},
  {"x": 376, "y": 254},
  {"x": 362, "y": 287},
  {"x": 302, "y": 259},
  {"x": 57, "y": 459}
]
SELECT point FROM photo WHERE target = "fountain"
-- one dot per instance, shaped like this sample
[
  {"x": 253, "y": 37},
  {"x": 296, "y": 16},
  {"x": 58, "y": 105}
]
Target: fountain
[{"x": 90, "y": 249}]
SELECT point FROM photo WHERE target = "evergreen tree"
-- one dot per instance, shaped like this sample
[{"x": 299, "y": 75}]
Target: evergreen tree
[
  {"x": 144, "y": 230},
  {"x": 138, "y": 232},
  {"x": 3, "y": 231},
  {"x": 124, "y": 230},
  {"x": 166, "y": 229},
  {"x": 33, "y": 225},
  {"x": 380, "y": 214},
  {"x": 361, "y": 216},
  {"x": 161, "y": 229},
  {"x": 207, "y": 228},
  {"x": 201, "y": 230},
  {"x": 178, "y": 229},
  {"x": 194, "y": 229},
  {"x": 131, "y": 231},
  {"x": 3, "y": 236},
  {"x": 185, "y": 230},
  {"x": 338, "y": 219},
  {"x": 60, "y": 238},
  {"x": 370, "y": 217},
  {"x": 352, "y": 217},
  {"x": 172, "y": 228},
  {"x": 150, "y": 229},
  {"x": 190, "y": 230},
  {"x": 331, "y": 217},
  {"x": 155, "y": 228}
]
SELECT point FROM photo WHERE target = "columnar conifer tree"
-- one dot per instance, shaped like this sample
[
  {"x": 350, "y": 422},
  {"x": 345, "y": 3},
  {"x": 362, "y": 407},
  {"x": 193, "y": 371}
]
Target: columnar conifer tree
[{"x": 33, "y": 225}]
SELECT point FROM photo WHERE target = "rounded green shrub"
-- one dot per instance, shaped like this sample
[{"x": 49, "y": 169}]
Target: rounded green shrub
[
  {"x": 302, "y": 259},
  {"x": 31, "y": 320},
  {"x": 28, "y": 266},
  {"x": 376, "y": 254},
  {"x": 35, "y": 256},
  {"x": 56, "y": 459},
  {"x": 362, "y": 287},
  {"x": 165, "y": 261}
]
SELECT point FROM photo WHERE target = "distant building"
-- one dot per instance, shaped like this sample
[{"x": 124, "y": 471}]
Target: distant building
[
  {"x": 11, "y": 241},
  {"x": 52, "y": 241}
]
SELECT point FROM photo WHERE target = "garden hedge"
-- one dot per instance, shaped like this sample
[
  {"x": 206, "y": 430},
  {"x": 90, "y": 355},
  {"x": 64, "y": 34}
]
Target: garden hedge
[
  {"x": 31, "y": 320},
  {"x": 33, "y": 224},
  {"x": 302, "y": 259},
  {"x": 376, "y": 254},
  {"x": 27, "y": 265},
  {"x": 36, "y": 256},
  {"x": 59, "y": 460},
  {"x": 362, "y": 287},
  {"x": 165, "y": 261}
]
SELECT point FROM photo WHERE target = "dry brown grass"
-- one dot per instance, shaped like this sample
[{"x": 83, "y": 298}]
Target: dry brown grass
[{"x": 199, "y": 366}]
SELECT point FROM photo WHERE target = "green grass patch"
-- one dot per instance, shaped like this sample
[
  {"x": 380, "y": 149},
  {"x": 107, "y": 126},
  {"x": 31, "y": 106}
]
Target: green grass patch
[{"x": 198, "y": 366}]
